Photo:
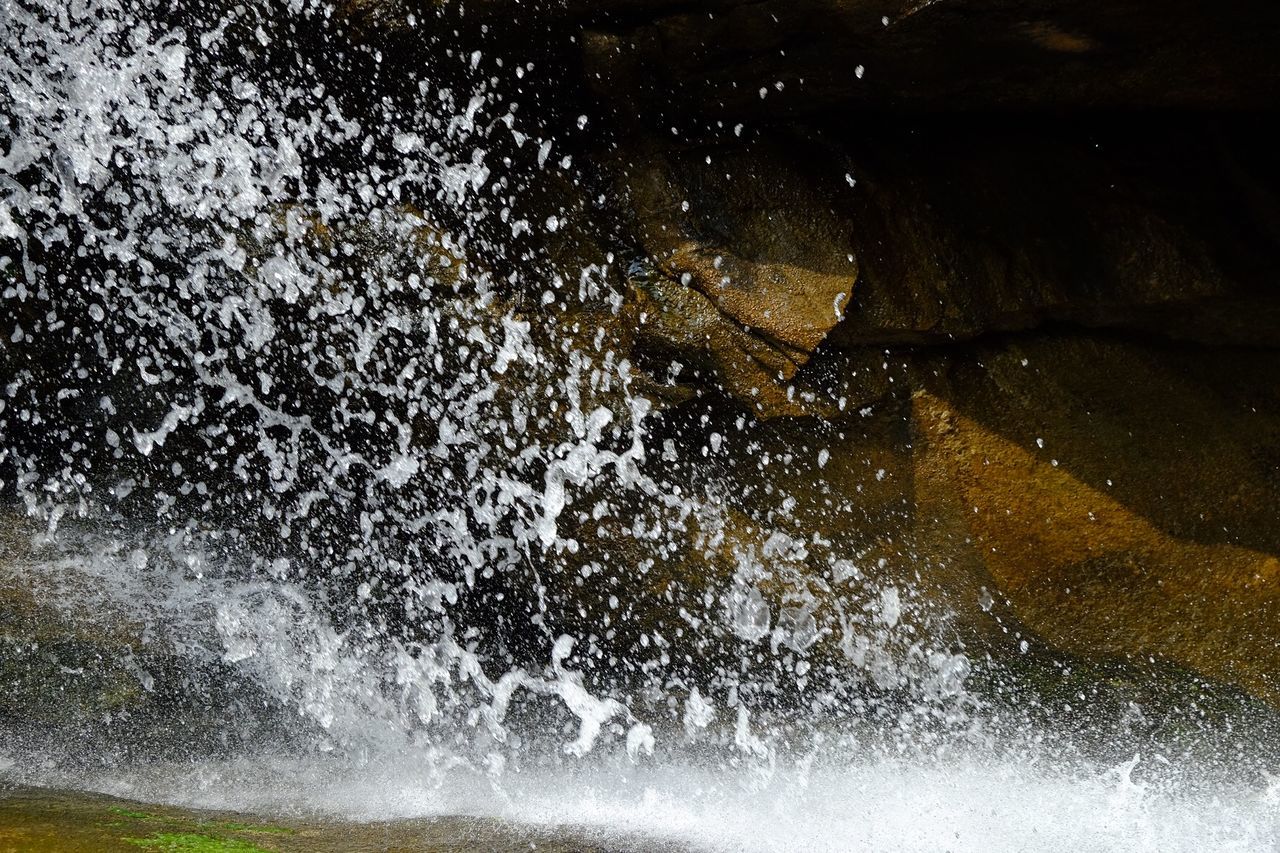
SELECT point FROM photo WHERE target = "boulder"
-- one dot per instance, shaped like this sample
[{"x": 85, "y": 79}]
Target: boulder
[
  {"x": 755, "y": 253},
  {"x": 1078, "y": 513}
]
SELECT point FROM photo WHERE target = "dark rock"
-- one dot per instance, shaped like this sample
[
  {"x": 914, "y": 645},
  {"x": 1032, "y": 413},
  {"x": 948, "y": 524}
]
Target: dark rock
[{"x": 819, "y": 57}]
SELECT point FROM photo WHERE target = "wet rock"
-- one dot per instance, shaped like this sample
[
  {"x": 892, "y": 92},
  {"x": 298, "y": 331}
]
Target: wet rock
[
  {"x": 752, "y": 264},
  {"x": 1141, "y": 528},
  {"x": 968, "y": 244},
  {"x": 1099, "y": 222},
  {"x": 78, "y": 667},
  {"x": 681, "y": 328},
  {"x": 1078, "y": 513},
  {"x": 1103, "y": 223},
  {"x": 1115, "y": 498},
  {"x": 40, "y": 820},
  {"x": 755, "y": 234},
  {"x": 796, "y": 559},
  {"x": 1093, "y": 496}
]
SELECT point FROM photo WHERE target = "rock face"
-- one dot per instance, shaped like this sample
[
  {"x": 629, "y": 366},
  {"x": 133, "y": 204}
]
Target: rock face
[
  {"x": 752, "y": 266},
  {"x": 941, "y": 323},
  {"x": 754, "y": 235},
  {"x": 1119, "y": 497},
  {"x": 1073, "y": 348},
  {"x": 942, "y": 55},
  {"x": 75, "y": 666}
]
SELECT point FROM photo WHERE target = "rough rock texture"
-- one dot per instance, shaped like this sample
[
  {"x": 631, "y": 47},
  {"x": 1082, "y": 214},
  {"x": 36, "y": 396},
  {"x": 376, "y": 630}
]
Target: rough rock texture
[
  {"x": 1075, "y": 411},
  {"x": 1130, "y": 263},
  {"x": 754, "y": 257},
  {"x": 948, "y": 231},
  {"x": 753, "y": 234}
]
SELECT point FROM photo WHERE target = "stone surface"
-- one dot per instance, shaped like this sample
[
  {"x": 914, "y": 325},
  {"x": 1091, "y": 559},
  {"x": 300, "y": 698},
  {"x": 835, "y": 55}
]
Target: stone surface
[
  {"x": 1119, "y": 497},
  {"x": 80, "y": 668},
  {"x": 930, "y": 232},
  {"x": 820, "y": 56},
  {"x": 749, "y": 263},
  {"x": 964, "y": 228},
  {"x": 1136, "y": 262},
  {"x": 755, "y": 234},
  {"x": 36, "y": 820},
  {"x": 1108, "y": 501}
]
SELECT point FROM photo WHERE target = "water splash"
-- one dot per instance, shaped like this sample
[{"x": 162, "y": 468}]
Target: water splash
[{"x": 325, "y": 369}]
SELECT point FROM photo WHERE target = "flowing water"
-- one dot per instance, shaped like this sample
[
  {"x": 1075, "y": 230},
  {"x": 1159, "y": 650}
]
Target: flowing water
[{"x": 303, "y": 402}]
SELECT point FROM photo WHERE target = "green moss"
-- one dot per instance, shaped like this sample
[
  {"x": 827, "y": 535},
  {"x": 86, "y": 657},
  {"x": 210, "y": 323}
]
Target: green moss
[
  {"x": 49, "y": 821},
  {"x": 193, "y": 843},
  {"x": 227, "y": 826},
  {"x": 221, "y": 826}
]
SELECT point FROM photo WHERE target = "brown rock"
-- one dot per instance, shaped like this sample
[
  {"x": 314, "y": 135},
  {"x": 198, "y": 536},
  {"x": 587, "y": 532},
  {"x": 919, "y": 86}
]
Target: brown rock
[
  {"x": 680, "y": 327},
  {"x": 765, "y": 261},
  {"x": 1118, "y": 498}
]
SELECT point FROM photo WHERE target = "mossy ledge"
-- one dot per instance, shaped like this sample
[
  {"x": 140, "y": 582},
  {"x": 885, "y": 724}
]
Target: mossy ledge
[{"x": 39, "y": 820}]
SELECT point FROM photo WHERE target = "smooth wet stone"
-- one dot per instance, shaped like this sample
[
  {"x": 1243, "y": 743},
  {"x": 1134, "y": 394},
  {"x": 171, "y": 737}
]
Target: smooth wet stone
[
  {"x": 34, "y": 820},
  {"x": 1116, "y": 498},
  {"x": 81, "y": 669}
]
